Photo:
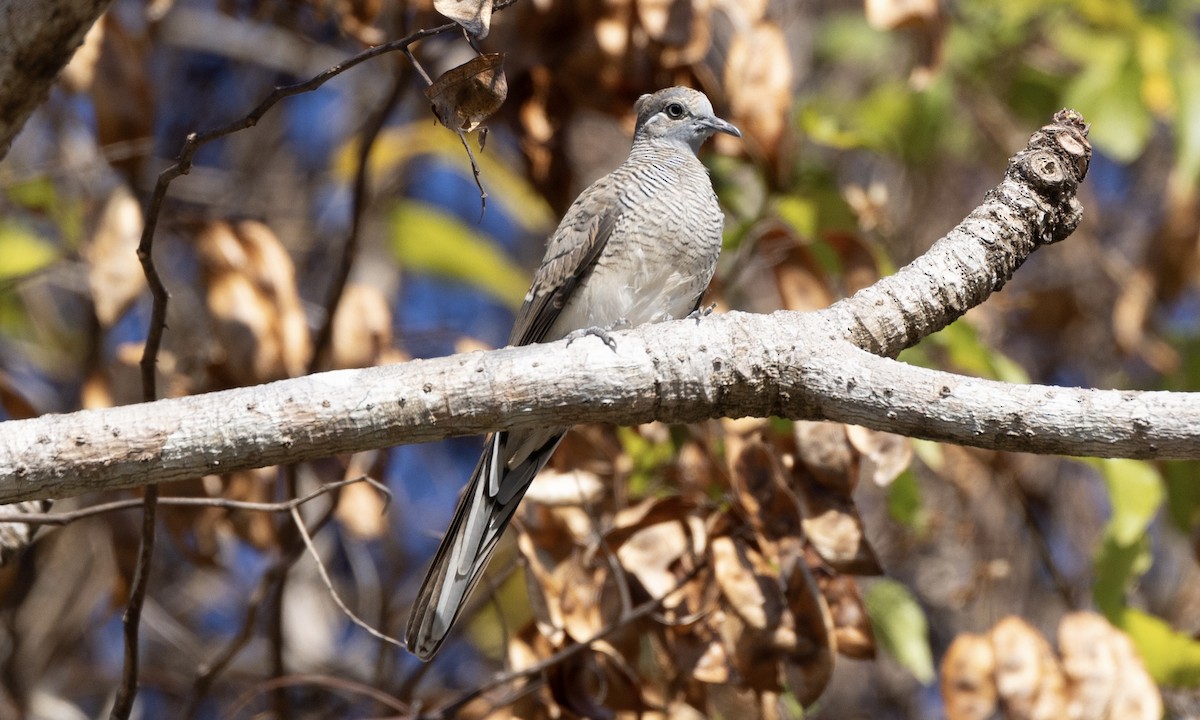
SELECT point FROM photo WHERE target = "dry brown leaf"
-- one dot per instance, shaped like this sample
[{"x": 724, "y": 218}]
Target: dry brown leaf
[
  {"x": 360, "y": 510},
  {"x": 694, "y": 36},
  {"x": 544, "y": 592},
  {"x": 826, "y": 453},
  {"x": 122, "y": 96},
  {"x": 115, "y": 275},
  {"x": 747, "y": 593},
  {"x": 362, "y": 327},
  {"x": 258, "y": 321},
  {"x": 575, "y": 487},
  {"x": 1084, "y": 641},
  {"x": 1029, "y": 681},
  {"x": 743, "y": 13},
  {"x": 652, "y": 552},
  {"x": 256, "y": 528},
  {"x": 588, "y": 599},
  {"x": 772, "y": 509},
  {"x": 799, "y": 277},
  {"x": 698, "y": 650},
  {"x": 612, "y": 28},
  {"x": 1137, "y": 697},
  {"x": 851, "y": 625},
  {"x": 833, "y": 527},
  {"x": 921, "y": 17},
  {"x": 1132, "y": 313},
  {"x": 889, "y": 15},
  {"x": 466, "y": 96},
  {"x": 809, "y": 664},
  {"x": 884, "y": 455},
  {"x": 474, "y": 15},
  {"x": 968, "y": 681},
  {"x": 758, "y": 79}
]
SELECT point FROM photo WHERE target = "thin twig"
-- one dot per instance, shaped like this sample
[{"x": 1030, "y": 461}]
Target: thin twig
[
  {"x": 65, "y": 518},
  {"x": 483, "y": 196},
  {"x": 289, "y": 541},
  {"x": 132, "y": 619},
  {"x": 323, "y": 680},
  {"x": 1041, "y": 545},
  {"x": 312, "y": 550}
]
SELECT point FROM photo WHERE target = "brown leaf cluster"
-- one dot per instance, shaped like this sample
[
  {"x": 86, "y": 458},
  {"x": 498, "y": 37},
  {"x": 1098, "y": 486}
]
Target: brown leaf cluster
[
  {"x": 752, "y": 595},
  {"x": 1013, "y": 671}
]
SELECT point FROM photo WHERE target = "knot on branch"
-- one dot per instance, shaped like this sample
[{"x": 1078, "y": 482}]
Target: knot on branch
[{"x": 1052, "y": 165}]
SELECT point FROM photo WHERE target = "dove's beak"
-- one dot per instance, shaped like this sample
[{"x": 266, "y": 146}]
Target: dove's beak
[{"x": 719, "y": 125}]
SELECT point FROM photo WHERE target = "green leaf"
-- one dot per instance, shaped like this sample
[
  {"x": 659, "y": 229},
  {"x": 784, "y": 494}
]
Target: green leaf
[
  {"x": 396, "y": 147},
  {"x": 904, "y": 502},
  {"x": 900, "y": 626},
  {"x": 968, "y": 353},
  {"x": 1116, "y": 567},
  {"x": 1135, "y": 492},
  {"x": 647, "y": 457},
  {"x": 1171, "y": 658},
  {"x": 1108, "y": 91},
  {"x": 1187, "y": 127},
  {"x": 22, "y": 251},
  {"x": 1183, "y": 493},
  {"x": 427, "y": 241}
]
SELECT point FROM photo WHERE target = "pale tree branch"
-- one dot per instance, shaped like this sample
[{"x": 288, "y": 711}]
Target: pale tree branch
[{"x": 794, "y": 365}]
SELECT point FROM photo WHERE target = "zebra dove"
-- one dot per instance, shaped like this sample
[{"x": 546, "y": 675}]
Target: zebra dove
[{"x": 637, "y": 246}]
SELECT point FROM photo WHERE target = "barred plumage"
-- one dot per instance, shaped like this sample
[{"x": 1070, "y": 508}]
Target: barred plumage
[{"x": 639, "y": 245}]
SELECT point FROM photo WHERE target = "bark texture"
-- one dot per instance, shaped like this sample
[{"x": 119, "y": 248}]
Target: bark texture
[{"x": 37, "y": 39}]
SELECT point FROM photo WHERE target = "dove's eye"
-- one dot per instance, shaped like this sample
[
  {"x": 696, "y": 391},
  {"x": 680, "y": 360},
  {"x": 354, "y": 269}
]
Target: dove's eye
[{"x": 674, "y": 111}]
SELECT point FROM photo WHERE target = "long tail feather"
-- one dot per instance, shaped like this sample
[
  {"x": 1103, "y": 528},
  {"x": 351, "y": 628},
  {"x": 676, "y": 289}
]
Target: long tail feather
[{"x": 481, "y": 517}]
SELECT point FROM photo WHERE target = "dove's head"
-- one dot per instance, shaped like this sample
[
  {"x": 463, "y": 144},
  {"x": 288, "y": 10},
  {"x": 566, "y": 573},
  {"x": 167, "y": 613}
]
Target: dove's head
[{"x": 679, "y": 114}]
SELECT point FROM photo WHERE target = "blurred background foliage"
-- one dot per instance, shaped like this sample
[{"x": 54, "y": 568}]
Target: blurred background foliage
[{"x": 870, "y": 129}]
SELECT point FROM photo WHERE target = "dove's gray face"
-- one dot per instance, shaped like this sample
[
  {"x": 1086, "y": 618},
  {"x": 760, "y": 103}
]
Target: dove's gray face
[{"x": 681, "y": 115}]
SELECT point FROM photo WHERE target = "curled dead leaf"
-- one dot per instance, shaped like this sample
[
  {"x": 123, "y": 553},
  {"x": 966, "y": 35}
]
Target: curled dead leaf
[
  {"x": 851, "y": 625},
  {"x": 1029, "y": 680},
  {"x": 770, "y": 506},
  {"x": 923, "y": 18},
  {"x": 362, "y": 327},
  {"x": 832, "y": 525},
  {"x": 884, "y": 455},
  {"x": 826, "y": 452},
  {"x": 258, "y": 321},
  {"x": 809, "y": 664},
  {"x": 758, "y": 78},
  {"x": 465, "y": 96},
  {"x": 1105, "y": 677},
  {"x": 968, "y": 680},
  {"x": 474, "y": 15},
  {"x": 115, "y": 275},
  {"x": 749, "y": 595}
]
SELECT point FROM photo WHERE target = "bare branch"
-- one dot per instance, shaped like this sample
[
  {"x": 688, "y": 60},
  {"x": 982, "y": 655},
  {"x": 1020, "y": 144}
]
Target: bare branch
[
  {"x": 312, "y": 550},
  {"x": 66, "y": 518}
]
